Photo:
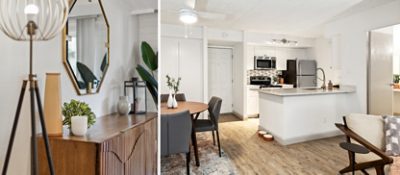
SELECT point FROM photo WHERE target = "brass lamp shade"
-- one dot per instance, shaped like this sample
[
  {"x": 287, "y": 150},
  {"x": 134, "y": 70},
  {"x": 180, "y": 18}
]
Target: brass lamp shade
[{"x": 52, "y": 104}]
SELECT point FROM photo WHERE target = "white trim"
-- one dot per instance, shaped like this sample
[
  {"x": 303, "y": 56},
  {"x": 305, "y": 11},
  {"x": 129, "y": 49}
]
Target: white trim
[
  {"x": 143, "y": 11},
  {"x": 220, "y": 47}
]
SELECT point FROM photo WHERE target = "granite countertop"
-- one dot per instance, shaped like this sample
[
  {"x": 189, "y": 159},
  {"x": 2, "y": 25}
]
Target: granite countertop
[{"x": 307, "y": 91}]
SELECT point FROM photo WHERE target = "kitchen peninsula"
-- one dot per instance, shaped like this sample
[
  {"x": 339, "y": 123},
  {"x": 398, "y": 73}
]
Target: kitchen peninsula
[{"x": 301, "y": 114}]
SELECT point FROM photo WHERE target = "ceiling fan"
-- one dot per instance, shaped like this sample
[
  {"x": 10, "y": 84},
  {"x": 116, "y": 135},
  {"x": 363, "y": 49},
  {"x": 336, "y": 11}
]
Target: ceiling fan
[{"x": 197, "y": 9}]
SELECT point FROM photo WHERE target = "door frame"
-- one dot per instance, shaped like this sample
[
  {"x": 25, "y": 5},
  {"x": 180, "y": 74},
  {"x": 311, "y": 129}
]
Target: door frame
[
  {"x": 208, "y": 68},
  {"x": 368, "y": 69},
  {"x": 368, "y": 66}
]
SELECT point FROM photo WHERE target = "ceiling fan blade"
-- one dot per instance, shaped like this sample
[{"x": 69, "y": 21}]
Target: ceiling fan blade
[
  {"x": 201, "y": 5},
  {"x": 211, "y": 15},
  {"x": 191, "y": 3}
]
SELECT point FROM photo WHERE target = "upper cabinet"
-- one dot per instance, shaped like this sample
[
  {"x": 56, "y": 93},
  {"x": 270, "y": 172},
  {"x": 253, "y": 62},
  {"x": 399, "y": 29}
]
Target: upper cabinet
[
  {"x": 281, "y": 53},
  {"x": 86, "y": 50}
]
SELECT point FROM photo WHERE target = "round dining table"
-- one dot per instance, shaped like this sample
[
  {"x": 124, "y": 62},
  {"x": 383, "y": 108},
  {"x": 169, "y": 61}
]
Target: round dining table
[{"x": 195, "y": 108}]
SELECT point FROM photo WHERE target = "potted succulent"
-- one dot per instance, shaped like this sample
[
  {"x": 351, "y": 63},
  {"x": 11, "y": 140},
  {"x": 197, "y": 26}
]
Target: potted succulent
[
  {"x": 173, "y": 87},
  {"x": 78, "y": 117}
]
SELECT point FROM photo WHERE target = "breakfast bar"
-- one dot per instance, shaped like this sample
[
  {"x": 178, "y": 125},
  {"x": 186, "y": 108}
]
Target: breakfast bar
[{"x": 301, "y": 114}]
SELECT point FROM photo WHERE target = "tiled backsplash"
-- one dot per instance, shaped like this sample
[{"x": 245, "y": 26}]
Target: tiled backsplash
[{"x": 269, "y": 73}]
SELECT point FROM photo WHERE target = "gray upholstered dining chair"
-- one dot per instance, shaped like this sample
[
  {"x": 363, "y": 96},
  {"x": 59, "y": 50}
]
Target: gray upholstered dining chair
[
  {"x": 178, "y": 97},
  {"x": 164, "y": 98},
  {"x": 211, "y": 124},
  {"x": 175, "y": 135}
]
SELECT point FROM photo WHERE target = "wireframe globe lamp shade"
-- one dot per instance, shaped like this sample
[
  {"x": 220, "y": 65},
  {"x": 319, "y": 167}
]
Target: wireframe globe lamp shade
[{"x": 48, "y": 17}]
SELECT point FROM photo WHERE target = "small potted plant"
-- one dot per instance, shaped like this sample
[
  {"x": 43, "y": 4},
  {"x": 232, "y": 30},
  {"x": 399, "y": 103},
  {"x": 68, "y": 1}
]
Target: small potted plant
[
  {"x": 78, "y": 116},
  {"x": 173, "y": 86}
]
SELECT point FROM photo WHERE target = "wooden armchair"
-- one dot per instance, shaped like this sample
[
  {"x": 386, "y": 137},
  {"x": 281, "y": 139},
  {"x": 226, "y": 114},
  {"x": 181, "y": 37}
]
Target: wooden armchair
[{"x": 373, "y": 140}]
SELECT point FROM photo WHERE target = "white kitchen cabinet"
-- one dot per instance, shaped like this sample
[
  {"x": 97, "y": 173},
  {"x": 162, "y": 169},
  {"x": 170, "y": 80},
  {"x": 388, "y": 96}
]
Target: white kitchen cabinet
[
  {"x": 281, "y": 53},
  {"x": 183, "y": 58},
  {"x": 252, "y": 101}
]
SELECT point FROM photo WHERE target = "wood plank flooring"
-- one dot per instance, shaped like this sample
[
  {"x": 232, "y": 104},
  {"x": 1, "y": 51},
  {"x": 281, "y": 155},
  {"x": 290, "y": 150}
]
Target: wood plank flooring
[{"x": 252, "y": 155}]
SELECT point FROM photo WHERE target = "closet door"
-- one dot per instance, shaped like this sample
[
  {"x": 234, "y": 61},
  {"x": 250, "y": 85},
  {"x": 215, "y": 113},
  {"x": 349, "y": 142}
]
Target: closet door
[
  {"x": 191, "y": 68},
  {"x": 168, "y": 61}
]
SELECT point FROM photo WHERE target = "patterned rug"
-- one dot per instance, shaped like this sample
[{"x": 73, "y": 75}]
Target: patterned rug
[{"x": 210, "y": 162}]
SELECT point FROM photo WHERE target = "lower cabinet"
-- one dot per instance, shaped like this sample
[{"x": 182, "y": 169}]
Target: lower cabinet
[{"x": 131, "y": 150}]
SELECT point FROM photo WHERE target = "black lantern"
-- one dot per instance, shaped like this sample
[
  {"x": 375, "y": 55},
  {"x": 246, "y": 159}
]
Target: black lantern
[{"x": 137, "y": 96}]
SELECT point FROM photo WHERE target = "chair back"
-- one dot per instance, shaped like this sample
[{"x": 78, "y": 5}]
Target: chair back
[
  {"x": 370, "y": 127},
  {"x": 164, "y": 98},
  {"x": 180, "y": 97},
  {"x": 214, "y": 109},
  {"x": 175, "y": 133}
]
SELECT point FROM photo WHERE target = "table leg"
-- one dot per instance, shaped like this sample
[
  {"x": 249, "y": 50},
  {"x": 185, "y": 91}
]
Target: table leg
[{"x": 194, "y": 140}]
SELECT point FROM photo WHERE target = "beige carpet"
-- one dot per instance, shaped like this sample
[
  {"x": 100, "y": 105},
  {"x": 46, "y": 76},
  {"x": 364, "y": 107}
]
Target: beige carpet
[{"x": 210, "y": 162}]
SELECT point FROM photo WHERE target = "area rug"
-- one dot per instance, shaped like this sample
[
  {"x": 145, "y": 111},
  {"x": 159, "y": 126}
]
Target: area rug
[{"x": 210, "y": 162}]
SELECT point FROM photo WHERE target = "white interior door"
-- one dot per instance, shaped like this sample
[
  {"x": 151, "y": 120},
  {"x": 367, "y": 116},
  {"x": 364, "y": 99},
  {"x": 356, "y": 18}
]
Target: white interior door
[
  {"x": 380, "y": 93},
  {"x": 220, "y": 80}
]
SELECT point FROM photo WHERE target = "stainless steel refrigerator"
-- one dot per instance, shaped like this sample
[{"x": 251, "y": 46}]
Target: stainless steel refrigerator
[{"x": 301, "y": 73}]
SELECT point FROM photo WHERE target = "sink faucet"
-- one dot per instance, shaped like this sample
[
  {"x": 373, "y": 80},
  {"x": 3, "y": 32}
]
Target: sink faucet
[{"x": 323, "y": 79}]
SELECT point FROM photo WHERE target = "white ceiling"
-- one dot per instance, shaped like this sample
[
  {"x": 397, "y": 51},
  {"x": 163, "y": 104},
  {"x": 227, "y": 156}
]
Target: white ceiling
[{"x": 292, "y": 17}]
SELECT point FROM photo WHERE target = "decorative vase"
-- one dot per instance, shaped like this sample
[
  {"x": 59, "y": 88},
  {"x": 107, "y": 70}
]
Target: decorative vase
[
  {"x": 52, "y": 104},
  {"x": 123, "y": 105},
  {"x": 174, "y": 102},
  {"x": 170, "y": 101},
  {"x": 79, "y": 125}
]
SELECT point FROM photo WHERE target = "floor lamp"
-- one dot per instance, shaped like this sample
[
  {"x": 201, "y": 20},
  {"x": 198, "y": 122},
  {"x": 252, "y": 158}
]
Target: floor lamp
[{"x": 30, "y": 20}]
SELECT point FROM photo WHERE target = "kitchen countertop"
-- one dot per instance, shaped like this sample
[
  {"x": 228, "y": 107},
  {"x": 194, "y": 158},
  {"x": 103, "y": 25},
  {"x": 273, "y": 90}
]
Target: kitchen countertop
[
  {"x": 257, "y": 87},
  {"x": 306, "y": 91}
]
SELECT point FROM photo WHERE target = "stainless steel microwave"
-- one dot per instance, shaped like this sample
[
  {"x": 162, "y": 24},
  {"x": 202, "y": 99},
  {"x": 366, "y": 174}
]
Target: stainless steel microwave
[{"x": 264, "y": 62}]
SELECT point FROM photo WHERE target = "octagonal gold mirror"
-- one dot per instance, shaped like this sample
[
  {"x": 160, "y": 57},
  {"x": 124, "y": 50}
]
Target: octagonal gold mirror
[{"x": 86, "y": 48}]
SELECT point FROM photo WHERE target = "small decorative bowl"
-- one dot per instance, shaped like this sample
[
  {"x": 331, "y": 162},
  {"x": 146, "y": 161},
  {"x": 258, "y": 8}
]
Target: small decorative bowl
[
  {"x": 268, "y": 137},
  {"x": 261, "y": 133}
]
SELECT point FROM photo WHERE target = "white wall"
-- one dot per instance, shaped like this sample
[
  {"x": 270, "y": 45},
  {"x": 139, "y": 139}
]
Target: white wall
[
  {"x": 145, "y": 27},
  {"x": 239, "y": 79},
  {"x": 323, "y": 53},
  {"x": 47, "y": 58},
  {"x": 352, "y": 47}
]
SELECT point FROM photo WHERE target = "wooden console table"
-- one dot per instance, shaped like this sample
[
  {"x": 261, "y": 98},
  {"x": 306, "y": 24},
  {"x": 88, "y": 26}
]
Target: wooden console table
[{"x": 114, "y": 145}]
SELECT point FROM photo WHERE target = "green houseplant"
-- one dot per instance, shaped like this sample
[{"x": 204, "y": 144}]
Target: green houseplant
[
  {"x": 173, "y": 84},
  {"x": 150, "y": 59},
  {"x": 77, "y": 108}
]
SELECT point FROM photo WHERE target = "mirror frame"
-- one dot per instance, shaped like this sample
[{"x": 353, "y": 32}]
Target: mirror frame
[{"x": 64, "y": 42}]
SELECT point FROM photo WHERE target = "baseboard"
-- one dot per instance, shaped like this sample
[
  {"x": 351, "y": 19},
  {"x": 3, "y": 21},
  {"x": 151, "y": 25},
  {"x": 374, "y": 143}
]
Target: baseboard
[
  {"x": 253, "y": 116},
  {"x": 236, "y": 114},
  {"x": 300, "y": 139}
]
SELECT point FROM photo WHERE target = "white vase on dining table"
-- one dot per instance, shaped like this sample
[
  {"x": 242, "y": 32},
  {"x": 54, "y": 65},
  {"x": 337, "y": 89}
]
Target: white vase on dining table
[
  {"x": 170, "y": 101},
  {"x": 174, "y": 102}
]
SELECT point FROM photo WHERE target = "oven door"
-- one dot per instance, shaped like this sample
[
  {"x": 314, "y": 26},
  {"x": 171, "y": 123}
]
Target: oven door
[{"x": 262, "y": 64}]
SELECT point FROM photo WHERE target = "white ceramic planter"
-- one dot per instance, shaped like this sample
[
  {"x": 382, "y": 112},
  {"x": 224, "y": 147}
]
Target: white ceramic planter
[
  {"x": 123, "y": 105},
  {"x": 79, "y": 125},
  {"x": 170, "y": 100}
]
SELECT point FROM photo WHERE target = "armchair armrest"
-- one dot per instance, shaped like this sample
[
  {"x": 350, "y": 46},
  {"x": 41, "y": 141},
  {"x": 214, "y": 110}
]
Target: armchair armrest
[{"x": 386, "y": 159}]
